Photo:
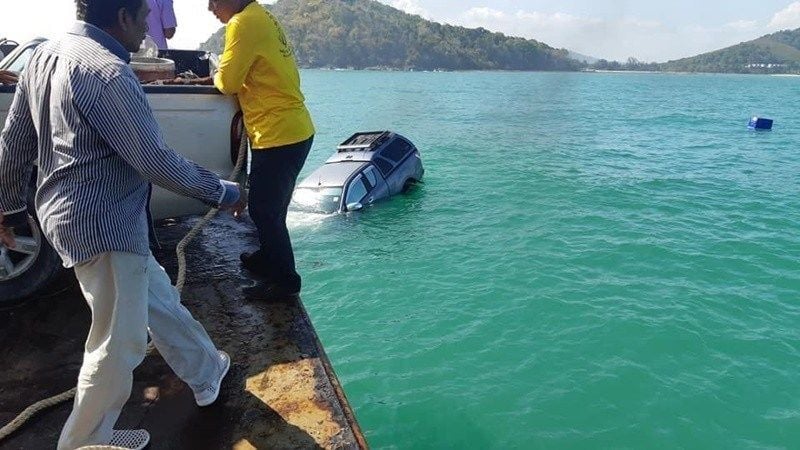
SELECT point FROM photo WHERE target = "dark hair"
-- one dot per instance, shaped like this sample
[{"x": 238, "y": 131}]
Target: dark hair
[{"x": 103, "y": 13}]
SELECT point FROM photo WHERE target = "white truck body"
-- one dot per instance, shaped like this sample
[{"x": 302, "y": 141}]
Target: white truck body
[{"x": 197, "y": 121}]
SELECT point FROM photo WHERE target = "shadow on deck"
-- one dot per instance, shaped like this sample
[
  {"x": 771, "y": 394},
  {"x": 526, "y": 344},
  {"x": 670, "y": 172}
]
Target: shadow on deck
[{"x": 281, "y": 391}]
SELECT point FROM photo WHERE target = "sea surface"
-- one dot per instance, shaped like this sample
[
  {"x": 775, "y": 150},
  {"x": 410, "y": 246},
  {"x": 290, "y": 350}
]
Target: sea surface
[{"x": 593, "y": 261}]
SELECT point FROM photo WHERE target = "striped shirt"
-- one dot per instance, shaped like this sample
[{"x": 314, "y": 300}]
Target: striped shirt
[{"x": 80, "y": 111}]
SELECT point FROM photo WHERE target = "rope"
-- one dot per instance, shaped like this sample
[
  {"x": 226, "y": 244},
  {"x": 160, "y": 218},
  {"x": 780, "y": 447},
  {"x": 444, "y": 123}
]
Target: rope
[
  {"x": 32, "y": 410},
  {"x": 181, "y": 249}
]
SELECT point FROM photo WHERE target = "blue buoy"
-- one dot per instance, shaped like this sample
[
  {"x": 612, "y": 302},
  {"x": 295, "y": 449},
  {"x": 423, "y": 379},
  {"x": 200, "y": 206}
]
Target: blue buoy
[{"x": 760, "y": 123}]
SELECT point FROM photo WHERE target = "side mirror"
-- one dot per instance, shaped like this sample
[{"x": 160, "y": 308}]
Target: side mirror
[{"x": 354, "y": 206}]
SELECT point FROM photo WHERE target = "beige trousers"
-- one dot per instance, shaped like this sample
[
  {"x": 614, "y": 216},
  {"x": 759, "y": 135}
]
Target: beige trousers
[{"x": 130, "y": 295}]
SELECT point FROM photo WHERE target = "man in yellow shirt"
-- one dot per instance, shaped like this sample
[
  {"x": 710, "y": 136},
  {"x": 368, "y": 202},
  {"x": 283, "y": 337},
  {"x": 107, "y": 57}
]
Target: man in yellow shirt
[{"x": 258, "y": 66}]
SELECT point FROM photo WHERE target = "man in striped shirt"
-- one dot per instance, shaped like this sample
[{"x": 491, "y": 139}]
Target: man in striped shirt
[{"x": 81, "y": 113}]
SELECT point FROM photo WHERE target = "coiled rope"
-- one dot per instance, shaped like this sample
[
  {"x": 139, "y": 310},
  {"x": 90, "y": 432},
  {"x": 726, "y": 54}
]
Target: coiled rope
[{"x": 39, "y": 406}]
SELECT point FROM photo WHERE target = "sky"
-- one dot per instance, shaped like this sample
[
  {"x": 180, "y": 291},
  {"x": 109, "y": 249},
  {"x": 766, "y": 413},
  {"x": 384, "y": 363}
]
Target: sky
[{"x": 612, "y": 29}]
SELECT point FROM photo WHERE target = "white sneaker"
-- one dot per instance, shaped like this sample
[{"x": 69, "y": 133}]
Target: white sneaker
[
  {"x": 124, "y": 440},
  {"x": 209, "y": 395}
]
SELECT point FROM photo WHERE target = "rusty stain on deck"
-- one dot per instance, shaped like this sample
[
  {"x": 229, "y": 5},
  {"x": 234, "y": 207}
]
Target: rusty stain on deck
[{"x": 281, "y": 391}]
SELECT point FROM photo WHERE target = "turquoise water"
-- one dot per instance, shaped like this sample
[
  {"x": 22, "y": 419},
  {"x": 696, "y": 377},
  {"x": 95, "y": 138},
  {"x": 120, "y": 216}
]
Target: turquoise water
[{"x": 593, "y": 261}]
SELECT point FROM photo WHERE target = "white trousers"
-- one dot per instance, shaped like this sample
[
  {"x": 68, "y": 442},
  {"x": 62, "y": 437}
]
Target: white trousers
[{"x": 130, "y": 295}]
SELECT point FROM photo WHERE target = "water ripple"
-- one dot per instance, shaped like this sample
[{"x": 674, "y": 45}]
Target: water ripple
[{"x": 593, "y": 261}]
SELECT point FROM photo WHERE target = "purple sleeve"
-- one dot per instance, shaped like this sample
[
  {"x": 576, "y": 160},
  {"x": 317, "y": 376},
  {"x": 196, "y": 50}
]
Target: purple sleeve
[{"x": 168, "y": 19}]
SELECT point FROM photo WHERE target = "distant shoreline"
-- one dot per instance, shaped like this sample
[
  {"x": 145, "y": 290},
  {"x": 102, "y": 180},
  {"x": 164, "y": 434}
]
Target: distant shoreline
[
  {"x": 621, "y": 71},
  {"x": 389, "y": 69}
]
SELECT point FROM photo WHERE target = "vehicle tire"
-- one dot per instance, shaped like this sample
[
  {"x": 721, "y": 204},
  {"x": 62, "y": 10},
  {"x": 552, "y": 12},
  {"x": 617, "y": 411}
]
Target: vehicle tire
[
  {"x": 31, "y": 268},
  {"x": 408, "y": 185}
]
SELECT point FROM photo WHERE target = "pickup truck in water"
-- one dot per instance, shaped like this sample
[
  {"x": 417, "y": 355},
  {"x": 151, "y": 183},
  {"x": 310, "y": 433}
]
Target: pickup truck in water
[{"x": 197, "y": 121}]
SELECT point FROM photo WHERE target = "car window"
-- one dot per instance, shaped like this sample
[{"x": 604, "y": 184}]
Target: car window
[
  {"x": 383, "y": 164},
  {"x": 21, "y": 60},
  {"x": 396, "y": 151},
  {"x": 357, "y": 190},
  {"x": 371, "y": 177}
]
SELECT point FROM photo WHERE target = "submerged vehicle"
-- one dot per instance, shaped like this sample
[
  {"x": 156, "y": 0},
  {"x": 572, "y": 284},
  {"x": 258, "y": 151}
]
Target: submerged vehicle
[{"x": 366, "y": 168}]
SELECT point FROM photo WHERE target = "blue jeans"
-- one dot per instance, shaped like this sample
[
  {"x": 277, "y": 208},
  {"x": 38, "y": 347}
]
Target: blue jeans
[{"x": 273, "y": 174}]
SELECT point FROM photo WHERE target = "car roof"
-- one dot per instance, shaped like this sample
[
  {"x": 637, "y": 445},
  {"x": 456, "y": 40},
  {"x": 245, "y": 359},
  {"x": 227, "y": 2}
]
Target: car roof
[
  {"x": 331, "y": 175},
  {"x": 386, "y": 149}
]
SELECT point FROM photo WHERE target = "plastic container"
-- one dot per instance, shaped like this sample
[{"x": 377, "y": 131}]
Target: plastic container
[
  {"x": 152, "y": 69},
  {"x": 147, "y": 49},
  {"x": 760, "y": 123}
]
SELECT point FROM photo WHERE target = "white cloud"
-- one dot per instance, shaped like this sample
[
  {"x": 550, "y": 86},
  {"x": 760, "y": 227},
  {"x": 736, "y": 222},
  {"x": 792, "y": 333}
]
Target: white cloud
[
  {"x": 23, "y": 21},
  {"x": 409, "y": 6},
  {"x": 613, "y": 39},
  {"x": 743, "y": 25},
  {"x": 787, "y": 18},
  {"x": 195, "y": 25},
  {"x": 485, "y": 13},
  {"x": 618, "y": 38}
]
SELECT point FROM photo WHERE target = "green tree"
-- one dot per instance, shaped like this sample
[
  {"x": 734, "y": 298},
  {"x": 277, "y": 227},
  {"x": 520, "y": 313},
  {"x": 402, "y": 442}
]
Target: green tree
[{"x": 367, "y": 34}]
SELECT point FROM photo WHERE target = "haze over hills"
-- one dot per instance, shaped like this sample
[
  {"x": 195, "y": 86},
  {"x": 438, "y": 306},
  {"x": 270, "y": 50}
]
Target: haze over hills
[
  {"x": 582, "y": 58},
  {"x": 367, "y": 34}
]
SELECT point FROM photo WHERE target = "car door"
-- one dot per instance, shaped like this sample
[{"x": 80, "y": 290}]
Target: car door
[
  {"x": 367, "y": 187},
  {"x": 376, "y": 184},
  {"x": 357, "y": 190},
  {"x": 14, "y": 62}
]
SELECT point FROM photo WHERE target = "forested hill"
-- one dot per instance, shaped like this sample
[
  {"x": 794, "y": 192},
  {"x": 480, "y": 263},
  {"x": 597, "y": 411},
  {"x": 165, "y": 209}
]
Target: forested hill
[
  {"x": 775, "y": 53},
  {"x": 367, "y": 34}
]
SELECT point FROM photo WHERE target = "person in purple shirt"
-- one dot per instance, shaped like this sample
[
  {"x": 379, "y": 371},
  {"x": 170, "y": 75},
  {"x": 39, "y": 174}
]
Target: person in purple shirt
[{"x": 161, "y": 22}]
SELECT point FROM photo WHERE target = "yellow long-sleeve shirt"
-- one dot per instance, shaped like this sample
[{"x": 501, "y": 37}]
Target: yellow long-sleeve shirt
[{"x": 258, "y": 65}]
